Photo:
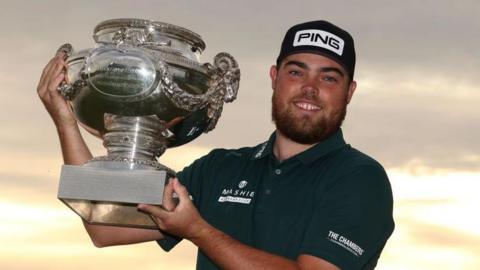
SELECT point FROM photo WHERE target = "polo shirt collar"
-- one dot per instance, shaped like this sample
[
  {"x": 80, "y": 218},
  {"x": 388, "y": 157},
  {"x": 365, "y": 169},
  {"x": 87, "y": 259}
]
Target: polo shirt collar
[
  {"x": 332, "y": 143},
  {"x": 264, "y": 149},
  {"x": 321, "y": 149}
]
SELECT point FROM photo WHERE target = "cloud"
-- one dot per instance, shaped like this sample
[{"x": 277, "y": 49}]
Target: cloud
[
  {"x": 417, "y": 122},
  {"x": 44, "y": 237},
  {"x": 442, "y": 237},
  {"x": 434, "y": 226}
]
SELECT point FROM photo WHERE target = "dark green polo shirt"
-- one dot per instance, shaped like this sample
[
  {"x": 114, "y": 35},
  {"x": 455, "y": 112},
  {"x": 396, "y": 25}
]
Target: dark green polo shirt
[{"x": 330, "y": 201}]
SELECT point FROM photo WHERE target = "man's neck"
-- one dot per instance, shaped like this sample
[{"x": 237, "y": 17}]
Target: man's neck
[{"x": 284, "y": 148}]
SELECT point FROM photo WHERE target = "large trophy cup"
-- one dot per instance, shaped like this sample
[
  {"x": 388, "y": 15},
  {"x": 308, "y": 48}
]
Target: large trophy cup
[{"x": 142, "y": 90}]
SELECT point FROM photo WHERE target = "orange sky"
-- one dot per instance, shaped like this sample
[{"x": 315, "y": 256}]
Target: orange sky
[{"x": 434, "y": 228}]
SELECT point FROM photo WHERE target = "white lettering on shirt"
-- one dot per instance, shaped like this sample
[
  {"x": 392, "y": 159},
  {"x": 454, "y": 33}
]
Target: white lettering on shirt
[{"x": 345, "y": 243}]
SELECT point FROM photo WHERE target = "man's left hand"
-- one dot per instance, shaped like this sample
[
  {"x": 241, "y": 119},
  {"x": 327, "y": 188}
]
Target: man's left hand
[{"x": 182, "y": 220}]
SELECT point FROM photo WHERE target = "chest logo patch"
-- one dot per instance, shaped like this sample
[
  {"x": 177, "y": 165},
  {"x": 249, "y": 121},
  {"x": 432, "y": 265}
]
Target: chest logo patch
[
  {"x": 237, "y": 195},
  {"x": 242, "y": 184}
]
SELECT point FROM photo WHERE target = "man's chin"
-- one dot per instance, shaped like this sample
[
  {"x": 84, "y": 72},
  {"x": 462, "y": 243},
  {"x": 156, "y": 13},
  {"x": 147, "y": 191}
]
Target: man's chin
[
  {"x": 301, "y": 136},
  {"x": 306, "y": 132},
  {"x": 305, "y": 140}
]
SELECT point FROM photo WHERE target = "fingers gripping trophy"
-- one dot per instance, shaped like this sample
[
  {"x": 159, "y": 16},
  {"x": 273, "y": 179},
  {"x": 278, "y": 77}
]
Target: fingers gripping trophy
[{"x": 142, "y": 90}]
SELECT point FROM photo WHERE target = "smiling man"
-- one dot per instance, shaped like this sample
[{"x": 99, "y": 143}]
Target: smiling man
[{"x": 304, "y": 199}]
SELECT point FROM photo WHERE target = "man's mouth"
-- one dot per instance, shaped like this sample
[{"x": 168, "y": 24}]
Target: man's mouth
[{"x": 307, "y": 106}]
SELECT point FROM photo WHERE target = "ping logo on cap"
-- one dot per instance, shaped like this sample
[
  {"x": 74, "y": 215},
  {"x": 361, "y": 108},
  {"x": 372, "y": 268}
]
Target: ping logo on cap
[{"x": 319, "y": 38}]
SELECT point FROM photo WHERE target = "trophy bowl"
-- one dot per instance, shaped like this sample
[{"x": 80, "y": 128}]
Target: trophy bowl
[{"x": 142, "y": 90}]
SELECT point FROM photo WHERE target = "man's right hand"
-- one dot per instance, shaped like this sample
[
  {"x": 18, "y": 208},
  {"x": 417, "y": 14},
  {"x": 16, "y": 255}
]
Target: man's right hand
[
  {"x": 52, "y": 76},
  {"x": 74, "y": 149}
]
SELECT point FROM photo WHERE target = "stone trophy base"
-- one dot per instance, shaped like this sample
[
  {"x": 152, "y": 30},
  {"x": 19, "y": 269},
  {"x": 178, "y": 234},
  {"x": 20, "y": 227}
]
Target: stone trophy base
[{"x": 110, "y": 196}]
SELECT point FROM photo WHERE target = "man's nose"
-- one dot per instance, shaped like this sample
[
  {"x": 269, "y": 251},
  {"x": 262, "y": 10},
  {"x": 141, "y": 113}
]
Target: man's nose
[{"x": 310, "y": 86}]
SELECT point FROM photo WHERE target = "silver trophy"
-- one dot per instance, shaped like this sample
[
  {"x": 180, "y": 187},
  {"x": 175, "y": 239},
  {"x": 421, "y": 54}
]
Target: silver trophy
[{"x": 142, "y": 90}]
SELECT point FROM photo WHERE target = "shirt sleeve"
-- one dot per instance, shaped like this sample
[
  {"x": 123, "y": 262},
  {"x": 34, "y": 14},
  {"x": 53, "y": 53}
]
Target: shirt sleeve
[
  {"x": 192, "y": 177},
  {"x": 352, "y": 220}
]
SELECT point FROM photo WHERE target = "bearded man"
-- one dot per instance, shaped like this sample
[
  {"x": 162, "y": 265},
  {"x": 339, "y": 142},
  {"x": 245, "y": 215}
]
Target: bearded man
[{"x": 304, "y": 199}]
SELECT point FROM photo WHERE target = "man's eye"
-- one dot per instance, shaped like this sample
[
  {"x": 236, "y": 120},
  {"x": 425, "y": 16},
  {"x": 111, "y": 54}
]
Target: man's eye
[
  {"x": 330, "y": 79},
  {"x": 295, "y": 73}
]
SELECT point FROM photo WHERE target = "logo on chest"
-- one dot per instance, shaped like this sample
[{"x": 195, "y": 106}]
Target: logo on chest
[{"x": 239, "y": 194}]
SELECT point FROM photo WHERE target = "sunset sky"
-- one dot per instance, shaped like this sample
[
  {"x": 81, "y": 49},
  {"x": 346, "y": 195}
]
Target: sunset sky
[{"x": 416, "y": 110}]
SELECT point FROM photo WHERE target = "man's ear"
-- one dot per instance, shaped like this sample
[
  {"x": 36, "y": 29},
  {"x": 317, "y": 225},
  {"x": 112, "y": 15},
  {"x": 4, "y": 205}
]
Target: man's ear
[
  {"x": 273, "y": 76},
  {"x": 351, "y": 90}
]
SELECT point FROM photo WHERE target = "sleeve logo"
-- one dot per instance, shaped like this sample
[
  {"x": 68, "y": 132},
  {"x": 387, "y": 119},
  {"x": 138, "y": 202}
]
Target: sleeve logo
[{"x": 345, "y": 243}]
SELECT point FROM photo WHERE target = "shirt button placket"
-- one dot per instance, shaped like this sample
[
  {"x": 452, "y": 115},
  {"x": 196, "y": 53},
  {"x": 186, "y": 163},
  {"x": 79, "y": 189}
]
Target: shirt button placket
[{"x": 278, "y": 171}]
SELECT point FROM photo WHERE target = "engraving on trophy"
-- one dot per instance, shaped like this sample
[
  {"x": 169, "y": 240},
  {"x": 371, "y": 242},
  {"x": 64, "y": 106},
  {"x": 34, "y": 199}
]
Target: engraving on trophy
[
  {"x": 142, "y": 90},
  {"x": 120, "y": 74}
]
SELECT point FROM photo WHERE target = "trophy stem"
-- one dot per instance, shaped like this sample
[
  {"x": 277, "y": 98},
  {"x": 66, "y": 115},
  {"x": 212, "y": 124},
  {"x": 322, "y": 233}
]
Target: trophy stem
[{"x": 135, "y": 137}]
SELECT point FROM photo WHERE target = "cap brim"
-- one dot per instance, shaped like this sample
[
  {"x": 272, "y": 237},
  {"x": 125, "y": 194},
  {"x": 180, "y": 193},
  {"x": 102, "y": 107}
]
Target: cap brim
[{"x": 318, "y": 52}]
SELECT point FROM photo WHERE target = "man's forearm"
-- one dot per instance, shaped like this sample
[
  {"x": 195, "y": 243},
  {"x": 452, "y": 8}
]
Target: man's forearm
[
  {"x": 229, "y": 253},
  {"x": 74, "y": 148}
]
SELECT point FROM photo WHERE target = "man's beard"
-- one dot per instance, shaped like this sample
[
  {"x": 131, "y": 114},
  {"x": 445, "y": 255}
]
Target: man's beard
[{"x": 306, "y": 129}]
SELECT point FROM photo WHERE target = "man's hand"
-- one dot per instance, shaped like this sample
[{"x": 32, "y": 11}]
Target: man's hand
[
  {"x": 53, "y": 74},
  {"x": 183, "y": 219}
]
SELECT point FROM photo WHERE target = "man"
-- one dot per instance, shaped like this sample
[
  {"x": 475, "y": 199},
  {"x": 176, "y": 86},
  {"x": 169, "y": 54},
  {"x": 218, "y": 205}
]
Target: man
[{"x": 302, "y": 200}]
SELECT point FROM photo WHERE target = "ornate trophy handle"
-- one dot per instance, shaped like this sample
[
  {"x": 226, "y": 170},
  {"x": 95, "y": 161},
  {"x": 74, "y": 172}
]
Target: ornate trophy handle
[
  {"x": 67, "y": 90},
  {"x": 223, "y": 88}
]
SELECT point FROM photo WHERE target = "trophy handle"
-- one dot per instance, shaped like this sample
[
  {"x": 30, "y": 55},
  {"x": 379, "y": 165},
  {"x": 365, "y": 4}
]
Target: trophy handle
[
  {"x": 223, "y": 87},
  {"x": 69, "y": 90}
]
